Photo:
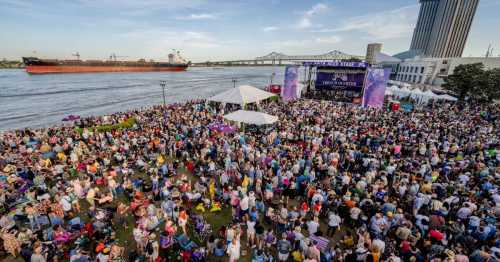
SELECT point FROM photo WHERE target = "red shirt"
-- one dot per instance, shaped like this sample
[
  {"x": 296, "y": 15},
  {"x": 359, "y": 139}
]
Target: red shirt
[{"x": 405, "y": 246}]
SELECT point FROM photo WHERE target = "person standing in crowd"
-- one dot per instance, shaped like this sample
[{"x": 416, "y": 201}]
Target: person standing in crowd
[{"x": 384, "y": 185}]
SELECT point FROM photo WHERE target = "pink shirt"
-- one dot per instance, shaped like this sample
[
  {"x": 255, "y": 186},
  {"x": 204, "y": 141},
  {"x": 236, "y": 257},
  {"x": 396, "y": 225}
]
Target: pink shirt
[
  {"x": 397, "y": 149},
  {"x": 461, "y": 258}
]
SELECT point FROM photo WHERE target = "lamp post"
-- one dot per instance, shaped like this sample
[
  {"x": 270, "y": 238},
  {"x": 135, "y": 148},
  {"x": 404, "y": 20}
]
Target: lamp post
[
  {"x": 163, "y": 84},
  {"x": 234, "y": 83},
  {"x": 272, "y": 77}
]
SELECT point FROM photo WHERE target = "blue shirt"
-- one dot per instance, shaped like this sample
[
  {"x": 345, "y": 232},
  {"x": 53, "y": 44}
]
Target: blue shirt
[{"x": 219, "y": 252}]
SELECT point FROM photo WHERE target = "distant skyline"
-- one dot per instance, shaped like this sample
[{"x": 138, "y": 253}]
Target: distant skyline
[{"x": 218, "y": 30}]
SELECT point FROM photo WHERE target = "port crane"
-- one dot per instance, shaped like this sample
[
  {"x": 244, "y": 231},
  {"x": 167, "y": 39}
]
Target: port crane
[
  {"x": 77, "y": 55},
  {"x": 113, "y": 57}
]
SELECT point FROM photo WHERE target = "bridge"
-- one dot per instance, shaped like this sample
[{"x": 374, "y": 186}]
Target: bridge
[
  {"x": 275, "y": 58},
  {"x": 10, "y": 64}
]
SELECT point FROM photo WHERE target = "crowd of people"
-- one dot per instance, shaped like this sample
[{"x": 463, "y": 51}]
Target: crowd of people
[{"x": 329, "y": 182}]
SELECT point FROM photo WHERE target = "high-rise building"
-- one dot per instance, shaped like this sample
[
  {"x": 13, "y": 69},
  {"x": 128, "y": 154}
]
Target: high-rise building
[
  {"x": 426, "y": 17},
  {"x": 372, "y": 50},
  {"x": 442, "y": 27}
]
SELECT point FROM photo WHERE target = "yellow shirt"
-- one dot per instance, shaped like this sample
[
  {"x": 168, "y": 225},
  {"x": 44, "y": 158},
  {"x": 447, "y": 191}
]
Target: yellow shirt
[{"x": 297, "y": 256}]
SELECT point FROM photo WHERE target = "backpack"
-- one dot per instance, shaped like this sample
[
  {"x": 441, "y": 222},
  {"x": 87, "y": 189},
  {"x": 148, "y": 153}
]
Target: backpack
[{"x": 149, "y": 248}]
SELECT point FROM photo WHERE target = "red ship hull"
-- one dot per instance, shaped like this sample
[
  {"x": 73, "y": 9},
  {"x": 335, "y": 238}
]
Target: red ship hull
[{"x": 49, "y": 69}]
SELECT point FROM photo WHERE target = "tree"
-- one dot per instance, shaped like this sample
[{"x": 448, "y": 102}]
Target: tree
[
  {"x": 492, "y": 88},
  {"x": 466, "y": 80}
]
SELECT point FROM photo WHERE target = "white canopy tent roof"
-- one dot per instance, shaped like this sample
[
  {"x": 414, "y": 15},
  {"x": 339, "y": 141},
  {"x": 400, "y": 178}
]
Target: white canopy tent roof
[
  {"x": 416, "y": 93},
  {"x": 429, "y": 94},
  {"x": 251, "y": 117},
  {"x": 241, "y": 95},
  {"x": 447, "y": 97},
  {"x": 405, "y": 90}
]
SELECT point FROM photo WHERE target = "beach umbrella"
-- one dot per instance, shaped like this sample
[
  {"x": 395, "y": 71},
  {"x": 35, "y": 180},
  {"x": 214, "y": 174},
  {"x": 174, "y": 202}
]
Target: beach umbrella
[
  {"x": 251, "y": 117},
  {"x": 241, "y": 95}
]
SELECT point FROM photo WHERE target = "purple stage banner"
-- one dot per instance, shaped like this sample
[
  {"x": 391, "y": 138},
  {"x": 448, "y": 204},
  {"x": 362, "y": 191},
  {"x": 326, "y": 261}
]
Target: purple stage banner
[
  {"x": 375, "y": 84},
  {"x": 289, "y": 90},
  {"x": 337, "y": 64},
  {"x": 349, "y": 81}
]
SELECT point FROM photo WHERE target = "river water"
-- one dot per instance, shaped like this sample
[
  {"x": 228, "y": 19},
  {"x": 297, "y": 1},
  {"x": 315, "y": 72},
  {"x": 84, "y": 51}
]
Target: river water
[{"x": 43, "y": 100}]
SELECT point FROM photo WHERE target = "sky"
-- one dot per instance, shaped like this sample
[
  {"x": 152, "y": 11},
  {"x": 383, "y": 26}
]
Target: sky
[{"x": 212, "y": 30}]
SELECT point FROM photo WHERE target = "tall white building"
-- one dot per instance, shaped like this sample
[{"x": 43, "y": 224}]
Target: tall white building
[{"x": 432, "y": 71}]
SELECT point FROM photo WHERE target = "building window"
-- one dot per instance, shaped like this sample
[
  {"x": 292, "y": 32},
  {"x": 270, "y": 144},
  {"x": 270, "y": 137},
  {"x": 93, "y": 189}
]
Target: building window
[
  {"x": 414, "y": 78},
  {"x": 445, "y": 62},
  {"x": 420, "y": 78},
  {"x": 411, "y": 69},
  {"x": 422, "y": 70},
  {"x": 442, "y": 70}
]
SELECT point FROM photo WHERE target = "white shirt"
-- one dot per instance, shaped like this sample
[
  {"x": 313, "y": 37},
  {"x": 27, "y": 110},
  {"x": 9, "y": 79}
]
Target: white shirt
[
  {"x": 355, "y": 213},
  {"x": 244, "y": 203},
  {"x": 250, "y": 226},
  {"x": 312, "y": 227},
  {"x": 334, "y": 220},
  {"x": 234, "y": 251},
  {"x": 65, "y": 203}
]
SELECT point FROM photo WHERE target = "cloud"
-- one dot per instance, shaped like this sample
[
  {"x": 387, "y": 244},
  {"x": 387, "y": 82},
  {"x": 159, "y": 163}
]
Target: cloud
[
  {"x": 270, "y": 28},
  {"x": 304, "y": 23},
  {"x": 384, "y": 25},
  {"x": 17, "y": 3},
  {"x": 329, "y": 40},
  {"x": 161, "y": 38},
  {"x": 316, "y": 9},
  {"x": 204, "y": 16},
  {"x": 305, "y": 19},
  {"x": 133, "y": 4}
]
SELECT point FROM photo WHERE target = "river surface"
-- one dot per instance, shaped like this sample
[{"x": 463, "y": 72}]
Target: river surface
[{"x": 44, "y": 100}]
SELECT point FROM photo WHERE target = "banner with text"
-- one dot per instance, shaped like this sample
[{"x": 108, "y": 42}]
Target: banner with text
[
  {"x": 289, "y": 90},
  {"x": 347, "y": 80},
  {"x": 375, "y": 84}
]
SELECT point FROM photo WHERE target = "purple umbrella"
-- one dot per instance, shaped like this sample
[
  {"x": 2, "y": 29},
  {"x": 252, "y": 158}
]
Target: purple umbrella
[
  {"x": 71, "y": 118},
  {"x": 223, "y": 128}
]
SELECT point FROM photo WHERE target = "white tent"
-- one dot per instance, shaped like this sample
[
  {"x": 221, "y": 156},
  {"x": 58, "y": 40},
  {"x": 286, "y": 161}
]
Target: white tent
[
  {"x": 402, "y": 92},
  {"x": 429, "y": 94},
  {"x": 447, "y": 97},
  {"x": 416, "y": 93},
  {"x": 251, "y": 117},
  {"x": 241, "y": 95}
]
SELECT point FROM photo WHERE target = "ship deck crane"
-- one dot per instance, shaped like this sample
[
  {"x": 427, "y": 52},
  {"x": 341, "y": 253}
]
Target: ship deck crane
[
  {"x": 113, "y": 57},
  {"x": 77, "y": 54}
]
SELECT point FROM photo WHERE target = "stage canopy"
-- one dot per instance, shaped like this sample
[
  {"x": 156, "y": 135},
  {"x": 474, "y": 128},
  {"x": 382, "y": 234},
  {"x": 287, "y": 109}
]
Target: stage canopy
[
  {"x": 241, "y": 95},
  {"x": 251, "y": 117}
]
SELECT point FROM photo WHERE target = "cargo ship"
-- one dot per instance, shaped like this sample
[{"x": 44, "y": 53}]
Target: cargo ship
[{"x": 36, "y": 65}]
